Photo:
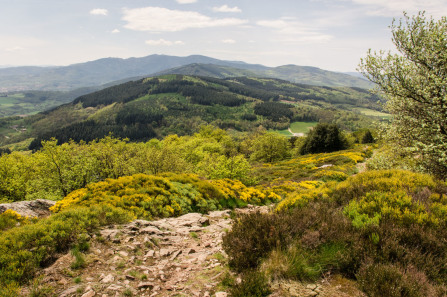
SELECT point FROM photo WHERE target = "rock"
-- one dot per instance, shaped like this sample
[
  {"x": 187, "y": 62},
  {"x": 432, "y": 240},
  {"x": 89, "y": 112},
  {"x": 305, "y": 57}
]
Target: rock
[
  {"x": 90, "y": 293},
  {"x": 130, "y": 277},
  {"x": 150, "y": 254},
  {"x": 109, "y": 234},
  {"x": 221, "y": 294},
  {"x": 114, "y": 287},
  {"x": 123, "y": 253},
  {"x": 108, "y": 279},
  {"x": 69, "y": 291},
  {"x": 145, "y": 285},
  {"x": 311, "y": 286},
  {"x": 188, "y": 220},
  {"x": 175, "y": 254},
  {"x": 165, "y": 252},
  {"x": 34, "y": 208},
  {"x": 151, "y": 230}
]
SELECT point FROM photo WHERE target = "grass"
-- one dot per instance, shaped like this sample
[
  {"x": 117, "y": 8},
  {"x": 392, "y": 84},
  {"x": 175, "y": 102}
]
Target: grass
[
  {"x": 374, "y": 113},
  {"x": 297, "y": 127}
]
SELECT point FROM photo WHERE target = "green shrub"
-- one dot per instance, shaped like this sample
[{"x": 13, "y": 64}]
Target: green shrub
[
  {"x": 25, "y": 249},
  {"x": 253, "y": 284}
]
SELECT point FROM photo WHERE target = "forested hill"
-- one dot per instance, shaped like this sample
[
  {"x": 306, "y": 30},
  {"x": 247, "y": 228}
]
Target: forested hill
[
  {"x": 293, "y": 73},
  {"x": 177, "y": 104}
]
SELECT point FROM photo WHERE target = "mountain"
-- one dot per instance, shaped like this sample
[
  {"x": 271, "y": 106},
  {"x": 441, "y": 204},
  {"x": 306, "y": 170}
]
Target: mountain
[
  {"x": 107, "y": 70},
  {"x": 96, "y": 72},
  {"x": 179, "y": 104}
]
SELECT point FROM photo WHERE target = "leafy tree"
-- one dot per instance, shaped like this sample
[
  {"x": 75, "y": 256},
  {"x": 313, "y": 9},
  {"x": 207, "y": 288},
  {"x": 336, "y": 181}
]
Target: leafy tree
[
  {"x": 324, "y": 138},
  {"x": 269, "y": 147},
  {"x": 367, "y": 137},
  {"x": 414, "y": 81}
]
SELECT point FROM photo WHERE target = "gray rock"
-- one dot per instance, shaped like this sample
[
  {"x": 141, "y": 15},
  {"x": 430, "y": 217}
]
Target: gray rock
[
  {"x": 34, "y": 208},
  {"x": 108, "y": 279}
]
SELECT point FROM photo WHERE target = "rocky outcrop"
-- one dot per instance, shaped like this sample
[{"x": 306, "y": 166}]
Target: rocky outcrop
[
  {"x": 34, "y": 208},
  {"x": 180, "y": 256}
]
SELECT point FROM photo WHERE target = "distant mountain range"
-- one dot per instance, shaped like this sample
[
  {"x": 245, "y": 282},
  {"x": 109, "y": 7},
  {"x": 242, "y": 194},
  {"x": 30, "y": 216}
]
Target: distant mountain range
[{"x": 109, "y": 70}]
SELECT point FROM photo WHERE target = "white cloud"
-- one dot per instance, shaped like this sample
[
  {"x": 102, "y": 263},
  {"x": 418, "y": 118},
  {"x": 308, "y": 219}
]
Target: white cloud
[
  {"x": 226, "y": 8},
  {"x": 158, "y": 19},
  {"x": 99, "y": 11},
  {"x": 14, "y": 49},
  {"x": 164, "y": 42},
  {"x": 229, "y": 41},
  {"x": 395, "y": 8},
  {"x": 116, "y": 31},
  {"x": 186, "y": 1},
  {"x": 292, "y": 31}
]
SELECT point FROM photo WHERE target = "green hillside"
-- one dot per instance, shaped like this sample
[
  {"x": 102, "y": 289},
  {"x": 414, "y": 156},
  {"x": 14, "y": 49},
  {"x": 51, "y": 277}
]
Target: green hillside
[
  {"x": 292, "y": 73},
  {"x": 177, "y": 104}
]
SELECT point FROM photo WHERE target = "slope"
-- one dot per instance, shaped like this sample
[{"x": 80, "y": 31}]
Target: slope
[{"x": 177, "y": 104}]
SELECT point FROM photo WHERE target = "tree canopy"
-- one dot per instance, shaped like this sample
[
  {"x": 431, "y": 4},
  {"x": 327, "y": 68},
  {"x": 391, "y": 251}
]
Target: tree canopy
[{"x": 414, "y": 81}]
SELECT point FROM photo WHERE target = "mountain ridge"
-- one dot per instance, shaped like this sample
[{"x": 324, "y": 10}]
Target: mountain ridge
[{"x": 106, "y": 70}]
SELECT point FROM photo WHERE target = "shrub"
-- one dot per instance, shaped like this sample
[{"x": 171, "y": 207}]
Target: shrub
[
  {"x": 253, "y": 284},
  {"x": 253, "y": 236},
  {"x": 378, "y": 280},
  {"x": 149, "y": 196},
  {"x": 25, "y": 249}
]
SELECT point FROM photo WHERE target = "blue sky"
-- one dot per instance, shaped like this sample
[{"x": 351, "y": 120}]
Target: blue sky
[{"x": 332, "y": 35}]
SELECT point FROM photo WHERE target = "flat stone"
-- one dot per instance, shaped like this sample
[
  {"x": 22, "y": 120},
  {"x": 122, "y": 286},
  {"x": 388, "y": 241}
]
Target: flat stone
[
  {"x": 151, "y": 230},
  {"x": 175, "y": 254},
  {"x": 108, "y": 279},
  {"x": 90, "y": 293},
  {"x": 114, "y": 287},
  {"x": 150, "y": 254},
  {"x": 145, "y": 285},
  {"x": 221, "y": 294},
  {"x": 123, "y": 253},
  {"x": 69, "y": 291},
  {"x": 130, "y": 277},
  {"x": 165, "y": 252}
]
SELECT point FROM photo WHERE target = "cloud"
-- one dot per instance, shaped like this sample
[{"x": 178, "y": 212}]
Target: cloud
[
  {"x": 186, "y": 1},
  {"x": 229, "y": 41},
  {"x": 158, "y": 19},
  {"x": 116, "y": 31},
  {"x": 163, "y": 42},
  {"x": 14, "y": 49},
  {"x": 293, "y": 31},
  {"x": 226, "y": 8},
  {"x": 396, "y": 7},
  {"x": 99, "y": 11}
]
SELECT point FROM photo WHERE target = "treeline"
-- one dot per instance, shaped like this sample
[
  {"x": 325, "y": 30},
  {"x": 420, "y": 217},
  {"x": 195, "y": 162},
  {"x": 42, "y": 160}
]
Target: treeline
[
  {"x": 274, "y": 110},
  {"x": 90, "y": 130},
  {"x": 208, "y": 96},
  {"x": 121, "y": 93}
]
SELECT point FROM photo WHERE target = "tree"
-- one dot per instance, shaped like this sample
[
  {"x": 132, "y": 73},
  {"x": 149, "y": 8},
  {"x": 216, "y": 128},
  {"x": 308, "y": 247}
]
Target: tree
[
  {"x": 324, "y": 138},
  {"x": 269, "y": 147},
  {"x": 414, "y": 82}
]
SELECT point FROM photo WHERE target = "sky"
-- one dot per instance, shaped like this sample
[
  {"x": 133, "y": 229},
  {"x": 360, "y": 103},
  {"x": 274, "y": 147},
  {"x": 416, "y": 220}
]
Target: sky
[{"x": 329, "y": 34}]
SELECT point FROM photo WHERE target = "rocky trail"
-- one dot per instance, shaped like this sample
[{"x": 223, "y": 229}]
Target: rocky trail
[{"x": 169, "y": 257}]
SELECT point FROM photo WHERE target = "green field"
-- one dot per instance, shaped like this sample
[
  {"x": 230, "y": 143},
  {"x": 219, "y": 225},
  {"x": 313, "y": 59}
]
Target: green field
[
  {"x": 297, "y": 127},
  {"x": 372, "y": 112}
]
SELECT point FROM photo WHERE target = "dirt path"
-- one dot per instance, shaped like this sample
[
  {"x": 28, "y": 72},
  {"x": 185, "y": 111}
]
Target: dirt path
[{"x": 169, "y": 257}]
